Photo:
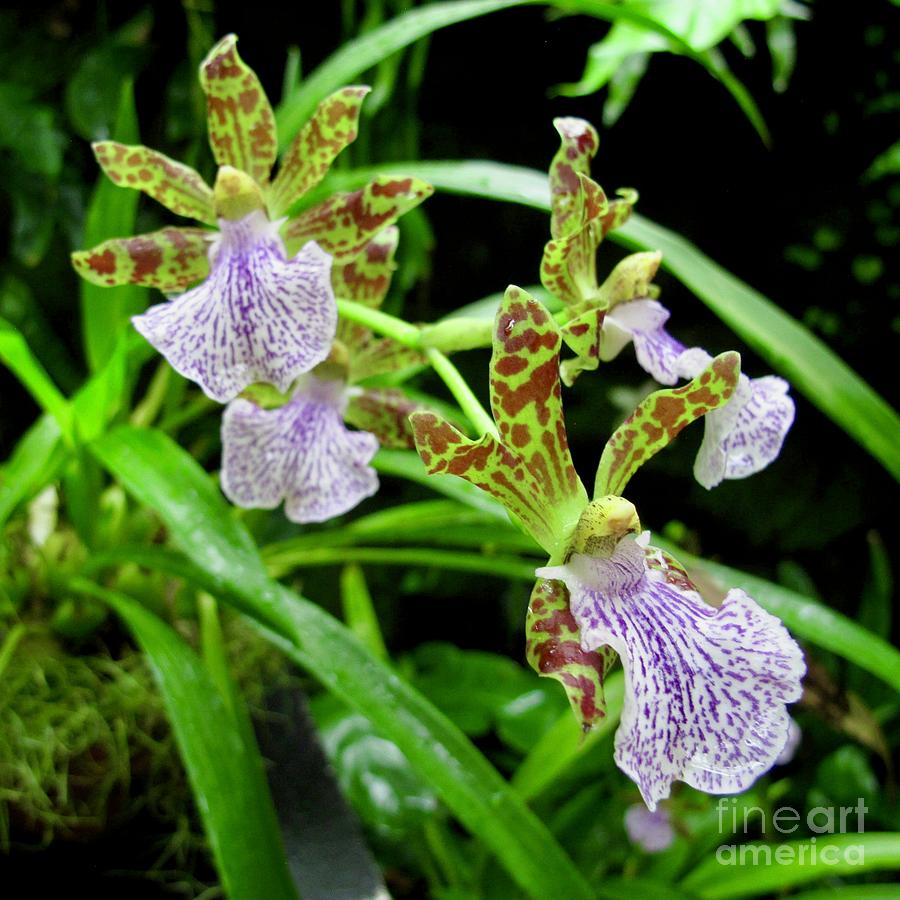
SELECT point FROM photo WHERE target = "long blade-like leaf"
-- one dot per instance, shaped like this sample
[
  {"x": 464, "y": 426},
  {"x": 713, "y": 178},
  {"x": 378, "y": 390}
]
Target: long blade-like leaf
[
  {"x": 792, "y": 350},
  {"x": 761, "y": 872},
  {"x": 163, "y": 476},
  {"x": 225, "y": 768}
]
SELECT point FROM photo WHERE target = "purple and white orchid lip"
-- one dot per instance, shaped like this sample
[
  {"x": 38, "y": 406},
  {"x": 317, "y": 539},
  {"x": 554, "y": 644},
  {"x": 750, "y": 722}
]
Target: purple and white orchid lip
[
  {"x": 706, "y": 688},
  {"x": 258, "y": 316},
  {"x": 301, "y": 453},
  {"x": 745, "y": 435},
  {"x": 642, "y": 322}
]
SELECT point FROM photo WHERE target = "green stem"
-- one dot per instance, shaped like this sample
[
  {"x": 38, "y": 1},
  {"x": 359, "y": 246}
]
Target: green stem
[
  {"x": 390, "y": 326},
  {"x": 462, "y": 393},
  {"x": 147, "y": 410}
]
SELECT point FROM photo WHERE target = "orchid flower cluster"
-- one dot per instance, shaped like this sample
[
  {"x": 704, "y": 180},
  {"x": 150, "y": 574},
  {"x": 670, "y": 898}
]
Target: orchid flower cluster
[
  {"x": 259, "y": 330},
  {"x": 742, "y": 437},
  {"x": 706, "y": 687},
  {"x": 253, "y": 319}
]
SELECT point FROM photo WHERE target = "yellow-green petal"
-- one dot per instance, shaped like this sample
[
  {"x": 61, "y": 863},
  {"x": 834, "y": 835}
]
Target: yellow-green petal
[
  {"x": 171, "y": 259},
  {"x": 659, "y": 419},
  {"x": 344, "y": 223},
  {"x": 176, "y": 186},
  {"x": 239, "y": 117},
  {"x": 331, "y": 128}
]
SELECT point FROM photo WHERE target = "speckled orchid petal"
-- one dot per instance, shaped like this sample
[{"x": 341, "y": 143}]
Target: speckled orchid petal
[
  {"x": 173, "y": 184},
  {"x": 643, "y": 323},
  {"x": 385, "y": 413},
  {"x": 553, "y": 649},
  {"x": 171, "y": 259},
  {"x": 706, "y": 689},
  {"x": 651, "y": 831},
  {"x": 344, "y": 223},
  {"x": 578, "y": 145},
  {"x": 300, "y": 453},
  {"x": 332, "y": 127},
  {"x": 747, "y": 434},
  {"x": 257, "y": 317},
  {"x": 795, "y": 735},
  {"x": 239, "y": 117}
]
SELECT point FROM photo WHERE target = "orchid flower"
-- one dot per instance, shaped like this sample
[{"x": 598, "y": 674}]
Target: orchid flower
[
  {"x": 260, "y": 311},
  {"x": 300, "y": 451},
  {"x": 740, "y": 439},
  {"x": 706, "y": 688},
  {"x": 651, "y": 831}
]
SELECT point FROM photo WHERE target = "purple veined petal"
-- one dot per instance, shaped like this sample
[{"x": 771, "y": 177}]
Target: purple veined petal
[
  {"x": 705, "y": 688},
  {"x": 650, "y": 830},
  {"x": 745, "y": 435},
  {"x": 642, "y": 321},
  {"x": 793, "y": 742},
  {"x": 301, "y": 453},
  {"x": 257, "y": 317}
]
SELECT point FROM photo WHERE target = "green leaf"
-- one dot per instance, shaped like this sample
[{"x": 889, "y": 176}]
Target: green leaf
[
  {"x": 529, "y": 470},
  {"x": 359, "y": 612},
  {"x": 16, "y": 355},
  {"x": 344, "y": 223},
  {"x": 792, "y": 350},
  {"x": 239, "y": 118},
  {"x": 659, "y": 419},
  {"x": 762, "y": 872},
  {"x": 170, "y": 259},
  {"x": 332, "y": 127},
  {"x": 111, "y": 213},
  {"x": 165, "y": 478},
  {"x": 33, "y": 464},
  {"x": 176, "y": 186},
  {"x": 566, "y": 743},
  {"x": 226, "y": 771}
]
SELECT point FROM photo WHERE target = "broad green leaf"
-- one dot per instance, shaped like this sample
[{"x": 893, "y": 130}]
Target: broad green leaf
[
  {"x": 344, "y": 223},
  {"x": 385, "y": 413},
  {"x": 553, "y": 649},
  {"x": 239, "y": 118},
  {"x": 170, "y": 259},
  {"x": 659, "y": 419},
  {"x": 886, "y": 163},
  {"x": 770, "y": 868},
  {"x": 331, "y": 128},
  {"x": 790, "y": 348},
  {"x": 165, "y": 478},
  {"x": 225, "y": 769},
  {"x": 853, "y": 892},
  {"x": 529, "y": 469},
  {"x": 16, "y": 355},
  {"x": 33, "y": 464},
  {"x": 111, "y": 213},
  {"x": 176, "y": 186}
]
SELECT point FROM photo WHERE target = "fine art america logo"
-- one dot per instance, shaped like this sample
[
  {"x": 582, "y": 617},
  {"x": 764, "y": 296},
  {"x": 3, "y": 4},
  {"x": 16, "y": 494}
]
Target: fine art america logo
[{"x": 820, "y": 820}]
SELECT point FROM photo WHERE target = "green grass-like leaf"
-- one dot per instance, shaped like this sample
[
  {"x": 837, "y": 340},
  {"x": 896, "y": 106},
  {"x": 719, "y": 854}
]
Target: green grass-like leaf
[
  {"x": 168, "y": 480},
  {"x": 712, "y": 880},
  {"x": 224, "y": 765}
]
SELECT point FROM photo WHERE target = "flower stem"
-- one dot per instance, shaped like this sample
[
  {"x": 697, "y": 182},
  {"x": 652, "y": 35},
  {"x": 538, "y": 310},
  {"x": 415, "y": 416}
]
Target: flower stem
[
  {"x": 462, "y": 393},
  {"x": 390, "y": 326}
]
